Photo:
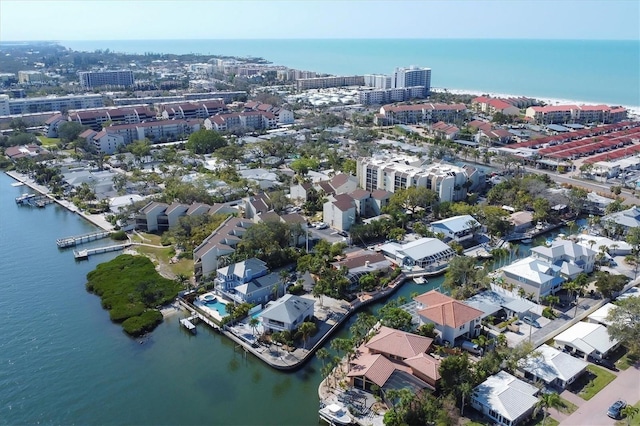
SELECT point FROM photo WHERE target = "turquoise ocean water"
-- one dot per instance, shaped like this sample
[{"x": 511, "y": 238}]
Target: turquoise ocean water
[
  {"x": 63, "y": 362},
  {"x": 581, "y": 70}
]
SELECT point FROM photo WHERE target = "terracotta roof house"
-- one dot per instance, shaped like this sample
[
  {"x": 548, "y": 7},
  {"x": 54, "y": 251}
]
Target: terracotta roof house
[
  {"x": 452, "y": 318},
  {"x": 394, "y": 359},
  {"x": 339, "y": 212}
]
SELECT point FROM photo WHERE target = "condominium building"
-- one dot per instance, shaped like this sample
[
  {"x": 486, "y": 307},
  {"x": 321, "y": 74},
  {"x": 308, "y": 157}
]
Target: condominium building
[
  {"x": 256, "y": 120},
  {"x": 411, "y": 77},
  {"x": 553, "y": 114},
  {"x": 92, "y": 79},
  {"x": 326, "y": 82},
  {"x": 95, "y": 118},
  {"x": 379, "y": 81},
  {"x": 420, "y": 113},
  {"x": 383, "y": 96},
  {"x": 396, "y": 173},
  {"x": 50, "y": 103},
  {"x": 227, "y": 97},
  {"x": 30, "y": 77}
]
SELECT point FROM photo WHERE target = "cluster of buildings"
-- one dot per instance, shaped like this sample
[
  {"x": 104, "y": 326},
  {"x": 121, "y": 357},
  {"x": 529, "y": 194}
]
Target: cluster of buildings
[
  {"x": 18, "y": 106},
  {"x": 403, "y": 85},
  {"x": 507, "y": 106},
  {"x": 391, "y": 115},
  {"x": 585, "y": 114}
]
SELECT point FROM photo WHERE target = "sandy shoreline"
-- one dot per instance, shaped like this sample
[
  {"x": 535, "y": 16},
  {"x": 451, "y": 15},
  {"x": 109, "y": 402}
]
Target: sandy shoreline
[{"x": 633, "y": 109}]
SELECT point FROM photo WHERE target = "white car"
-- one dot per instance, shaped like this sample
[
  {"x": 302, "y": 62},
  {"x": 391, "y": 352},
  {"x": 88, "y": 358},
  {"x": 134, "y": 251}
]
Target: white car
[{"x": 321, "y": 225}]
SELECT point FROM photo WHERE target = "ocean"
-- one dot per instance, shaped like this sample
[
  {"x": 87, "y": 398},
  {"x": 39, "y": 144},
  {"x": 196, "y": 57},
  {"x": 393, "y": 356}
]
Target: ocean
[
  {"x": 62, "y": 361},
  {"x": 589, "y": 71}
]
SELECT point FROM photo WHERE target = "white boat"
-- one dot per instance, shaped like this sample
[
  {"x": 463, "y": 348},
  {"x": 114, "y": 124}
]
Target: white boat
[
  {"x": 335, "y": 414},
  {"x": 419, "y": 280}
]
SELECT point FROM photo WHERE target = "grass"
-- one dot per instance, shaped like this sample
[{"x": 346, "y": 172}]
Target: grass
[
  {"x": 569, "y": 407},
  {"x": 593, "y": 382},
  {"x": 623, "y": 359},
  {"x": 635, "y": 421},
  {"x": 46, "y": 142},
  {"x": 162, "y": 255}
]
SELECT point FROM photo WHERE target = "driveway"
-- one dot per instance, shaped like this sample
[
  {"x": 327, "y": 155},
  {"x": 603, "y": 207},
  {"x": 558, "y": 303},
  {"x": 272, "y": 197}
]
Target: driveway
[{"x": 594, "y": 412}]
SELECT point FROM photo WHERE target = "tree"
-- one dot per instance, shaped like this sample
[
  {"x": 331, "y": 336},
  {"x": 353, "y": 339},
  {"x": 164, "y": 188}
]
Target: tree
[
  {"x": 549, "y": 400},
  {"x": 454, "y": 371},
  {"x": 394, "y": 317},
  {"x": 629, "y": 412},
  {"x": 624, "y": 323},
  {"x": 633, "y": 238},
  {"x": 140, "y": 149},
  {"x": 306, "y": 329},
  {"x": 303, "y": 165},
  {"x": 466, "y": 389},
  {"x": 411, "y": 199},
  {"x": 322, "y": 354},
  {"x": 69, "y": 131},
  {"x": 608, "y": 284},
  {"x": 205, "y": 141},
  {"x": 253, "y": 323}
]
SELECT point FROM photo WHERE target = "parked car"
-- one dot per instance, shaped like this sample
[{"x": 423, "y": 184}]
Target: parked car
[
  {"x": 530, "y": 321},
  {"x": 342, "y": 233},
  {"x": 603, "y": 362},
  {"x": 321, "y": 225},
  {"x": 616, "y": 408},
  {"x": 471, "y": 347}
]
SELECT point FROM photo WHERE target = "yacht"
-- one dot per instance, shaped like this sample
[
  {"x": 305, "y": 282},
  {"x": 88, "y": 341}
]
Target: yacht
[{"x": 335, "y": 414}]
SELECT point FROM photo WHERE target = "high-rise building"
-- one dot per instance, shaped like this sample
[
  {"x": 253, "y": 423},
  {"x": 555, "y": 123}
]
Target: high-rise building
[
  {"x": 411, "y": 77},
  {"x": 92, "y": 79},
  {"x": 379, "y": 81}
]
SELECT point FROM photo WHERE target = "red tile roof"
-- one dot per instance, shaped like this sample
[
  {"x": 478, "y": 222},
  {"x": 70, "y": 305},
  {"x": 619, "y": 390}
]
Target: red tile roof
[
  {"x": 398, "y": 343},
  {"x": 444, "y": 310}
]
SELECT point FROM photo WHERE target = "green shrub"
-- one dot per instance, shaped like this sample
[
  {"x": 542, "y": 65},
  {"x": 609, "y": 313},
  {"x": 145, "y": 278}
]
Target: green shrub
[
  {"x": 128, "y": 287},
  {"x": 296, "y": 289},
  {"x": 147, "y": 321},
  {"x": 548, "y": 313},
  {"x": 119, "y": 235}
]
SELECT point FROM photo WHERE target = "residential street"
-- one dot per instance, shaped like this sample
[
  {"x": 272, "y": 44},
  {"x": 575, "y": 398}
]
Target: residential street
[{"x": 594, "y": 412}]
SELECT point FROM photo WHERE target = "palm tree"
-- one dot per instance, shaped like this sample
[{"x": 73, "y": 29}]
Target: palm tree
[
  {"x": 549, "y": 400},
  {"x": 466, "y": 389},
  {"x": 629, "y": 412},
  {"x": 322, "y": 355},
  {"x": 253, "y": 323},
  {"x": 481, "y": 341},
  {"x": 306, "y": 329}
]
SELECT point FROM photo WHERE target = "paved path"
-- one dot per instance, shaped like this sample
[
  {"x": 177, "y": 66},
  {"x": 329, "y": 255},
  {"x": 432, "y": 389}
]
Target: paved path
[{"x": 594, "y": 412}]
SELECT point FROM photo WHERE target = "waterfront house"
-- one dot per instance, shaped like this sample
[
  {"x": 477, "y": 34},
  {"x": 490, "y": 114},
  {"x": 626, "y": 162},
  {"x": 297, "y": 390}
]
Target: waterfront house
[
  {"x": 249, "y": 281},
  {"x": 505, "y": 399},
  {"x": 394, "y": 359},
  {"x": 622, "y": 221},
  {"x": 426, "y": 253},
  {"x": 452, "y": 318},
  {"x": 551, "y": 366},
  {"x": 587, "y": 339},
  {"x": 286, "y": 313},
  {"x": 533, "y": 276},
  {"x": 457, "y": 228},
  {"x": 572, "y": 258},
  {"x": 521, "y": 221}
]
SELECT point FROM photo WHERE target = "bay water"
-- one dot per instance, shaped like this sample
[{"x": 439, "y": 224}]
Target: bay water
[
  {"x": 62, "y": 361},
  {"x": 598, "y": 71}
]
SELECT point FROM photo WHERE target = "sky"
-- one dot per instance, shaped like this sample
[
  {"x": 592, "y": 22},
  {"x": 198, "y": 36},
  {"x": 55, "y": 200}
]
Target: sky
[{"x": 264, "y": 19}]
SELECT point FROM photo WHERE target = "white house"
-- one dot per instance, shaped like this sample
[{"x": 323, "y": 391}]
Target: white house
[
  {"x": 452, "y": 318},
  {"x": 339, "y": 212},
  {"x": 287, "y": 313},
  {"x": 600, "y": 315},
  {"x": 572, "y": 258},
  {"x": 534, "y": 276},
  {"x": 249, "y": 281},
  {"x": 457, "y": 228},
  {"x": 585, "y": 338},
  {"x": 426, "y": 253},
  {"x": 625, "y": 219},
  {"x": 552, "y": 366},
  {"x": 505, "y": 399},
  {"x": 298, "y": 193}
]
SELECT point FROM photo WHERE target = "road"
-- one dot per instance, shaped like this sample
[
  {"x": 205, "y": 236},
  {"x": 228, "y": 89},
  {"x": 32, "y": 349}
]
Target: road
[
  {"x": 594, "y": 412},
  {"x": 629, "y": 198}
]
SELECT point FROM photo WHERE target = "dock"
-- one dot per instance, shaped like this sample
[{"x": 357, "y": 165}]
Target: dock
[
  {"x": 84, "y": 254},
  {"x": 33, "y": 200},
  {"x": 188, "y": 324},
  {"x": 79, "y": 239}
]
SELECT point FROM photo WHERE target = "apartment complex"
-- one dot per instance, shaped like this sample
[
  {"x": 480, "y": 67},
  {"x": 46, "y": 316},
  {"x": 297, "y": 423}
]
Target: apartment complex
[
  {"x": 185, "y": 110},
  {"x": 450, "y": 182},
  {"x": 256, "y": 120},
  {"x": 559, "y": 114},
  {"x": 383, "y": 96},
  {"x": 30, "y": 77},
  {"x": 411, "y": 77},
  {"x": 419, "y": 113},
  {"x": 226, "y": 96},
  {"x": 326, "y": 82},
  {"x": 379, "y": 81},
  {"x": 97, "y": 117},
  {"x": 49, "y": 103},
  {"x": 93, "y": 79}
]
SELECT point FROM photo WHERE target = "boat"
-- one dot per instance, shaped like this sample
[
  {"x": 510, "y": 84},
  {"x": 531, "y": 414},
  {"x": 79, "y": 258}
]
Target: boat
[
  {"x": 335, "y": 415},
  {"x": 419, "y": 280},
  {"x": 24, "y": 197},
  {"x": 527, "y": 241}
]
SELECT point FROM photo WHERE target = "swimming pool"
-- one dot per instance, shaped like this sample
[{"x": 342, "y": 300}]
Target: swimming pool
[{"x": 217, "y": 305}]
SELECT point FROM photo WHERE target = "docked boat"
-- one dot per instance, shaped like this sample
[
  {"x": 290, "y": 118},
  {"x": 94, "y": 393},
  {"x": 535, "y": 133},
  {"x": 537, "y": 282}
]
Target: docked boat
[
  {"x": 24, "y": 198},
  {"x": 419, "y": 280},
  {"x": 335, "y": 415},
  {"x": 527, "y": 241}
]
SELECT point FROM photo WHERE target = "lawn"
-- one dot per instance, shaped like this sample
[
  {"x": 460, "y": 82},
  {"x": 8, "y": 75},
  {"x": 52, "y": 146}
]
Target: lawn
[
  {"x": 569, "y": 407},
  {"x": 593, "y": 382},
  {"x": 162, "y": 255},
  {"x": 46, "y": 142},
  {"x": 622, "y": 358}
]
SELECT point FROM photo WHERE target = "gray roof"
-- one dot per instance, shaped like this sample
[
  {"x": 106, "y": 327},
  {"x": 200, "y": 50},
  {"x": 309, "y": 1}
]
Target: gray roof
[
  {"x": 587, "y": 337},
  {"x": 551, "y": 364},
  {"x": 287, "y": 309},
  {"x": 456, "y": 223},
  {"x": 563, "y": 247},
  {"x": 418, "y": 249},
  {"x": 239, "y": 269},
  {"x": 506, "y": 395},
  {"x": 267, "y": 281},
  {"x": 629, "y": 218}
]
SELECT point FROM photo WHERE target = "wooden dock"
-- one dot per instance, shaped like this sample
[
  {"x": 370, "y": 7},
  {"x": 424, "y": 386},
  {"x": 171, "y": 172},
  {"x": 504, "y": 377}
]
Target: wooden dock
[
  {"x": 186, "y": 323},
  {"x": 33, "y": 200},
  {"x": 79, "y": 239},
  {"x": 84, "y": 254}
]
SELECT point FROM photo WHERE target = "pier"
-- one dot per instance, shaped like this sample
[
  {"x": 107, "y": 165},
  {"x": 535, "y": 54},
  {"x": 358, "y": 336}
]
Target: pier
[
  {"x": 188, "y": 323},
  {"x": 80, "y": 239},
  {"x": 84, "y": 254},
  {"x": 33, "y": 200}
]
